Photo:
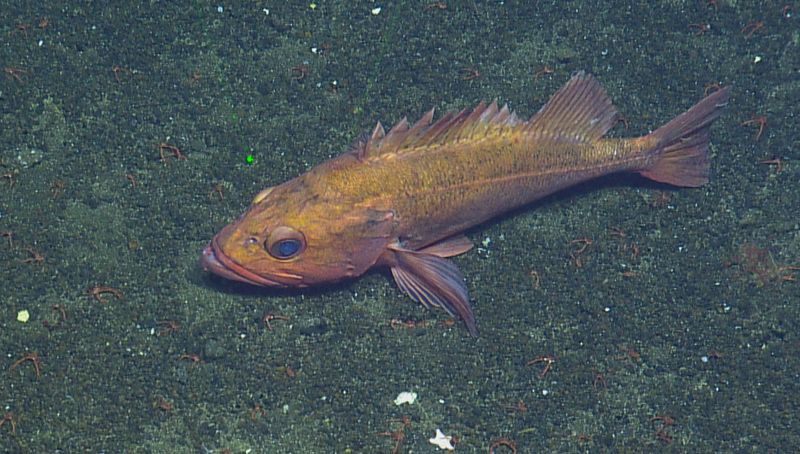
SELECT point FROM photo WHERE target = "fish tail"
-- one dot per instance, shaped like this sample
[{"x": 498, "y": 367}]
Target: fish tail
[{"x": 680, "y": 147}]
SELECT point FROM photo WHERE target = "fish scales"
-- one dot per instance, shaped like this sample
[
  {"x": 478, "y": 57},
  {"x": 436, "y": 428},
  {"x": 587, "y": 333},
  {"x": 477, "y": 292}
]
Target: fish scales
[{"x": 463, "y": 184}]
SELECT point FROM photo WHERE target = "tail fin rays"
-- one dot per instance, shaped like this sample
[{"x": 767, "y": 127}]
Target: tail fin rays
[{"x": 681, "y": 146}]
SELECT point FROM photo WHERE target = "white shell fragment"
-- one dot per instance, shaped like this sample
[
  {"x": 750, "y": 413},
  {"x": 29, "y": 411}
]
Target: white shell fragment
[
  {"x": 442, "y": 441},
  {"x": 405, "y": 397}
]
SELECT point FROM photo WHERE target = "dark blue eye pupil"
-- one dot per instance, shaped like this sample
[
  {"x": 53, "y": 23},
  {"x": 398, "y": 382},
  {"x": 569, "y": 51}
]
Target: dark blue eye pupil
[
  {"x": 287, "y": 248},
  {"x": 284, "y": 243}
]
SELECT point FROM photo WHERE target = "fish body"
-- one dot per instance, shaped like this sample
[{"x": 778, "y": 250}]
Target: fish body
[{"x": 403, "y": 199}]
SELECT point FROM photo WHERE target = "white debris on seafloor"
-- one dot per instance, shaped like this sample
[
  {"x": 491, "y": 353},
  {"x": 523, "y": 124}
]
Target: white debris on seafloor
[
  {"x": 405, "y": 397},
  {"x": 23, "y": 316},
  {"x": 442, "y": 441}
]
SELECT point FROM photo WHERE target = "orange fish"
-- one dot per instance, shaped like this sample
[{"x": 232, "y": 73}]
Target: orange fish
[{"x": 403, "y": 199}]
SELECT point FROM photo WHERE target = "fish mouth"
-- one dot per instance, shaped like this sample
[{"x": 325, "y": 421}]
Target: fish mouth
[{"x": 214, "y": 261}]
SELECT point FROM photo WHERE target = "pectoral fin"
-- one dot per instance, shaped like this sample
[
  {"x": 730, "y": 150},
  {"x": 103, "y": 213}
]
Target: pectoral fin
[
  {"x": 450, "y": 247},
  {"x": 433, "y": 281}
]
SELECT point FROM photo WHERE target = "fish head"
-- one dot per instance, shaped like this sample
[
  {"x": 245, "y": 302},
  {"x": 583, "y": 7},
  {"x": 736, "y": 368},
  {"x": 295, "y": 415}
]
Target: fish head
[{"x": 294, "y": 236}]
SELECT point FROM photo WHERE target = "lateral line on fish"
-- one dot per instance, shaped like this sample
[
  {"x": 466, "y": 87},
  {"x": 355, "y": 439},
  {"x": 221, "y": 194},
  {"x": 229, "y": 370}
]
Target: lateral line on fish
[{"x": 520, "y": 176}]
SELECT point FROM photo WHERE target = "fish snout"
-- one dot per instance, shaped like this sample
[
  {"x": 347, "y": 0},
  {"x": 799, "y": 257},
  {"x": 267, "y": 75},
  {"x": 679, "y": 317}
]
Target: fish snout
[
  {"x": 210, "y": 264},
  {"x": 212, "y": 260}
]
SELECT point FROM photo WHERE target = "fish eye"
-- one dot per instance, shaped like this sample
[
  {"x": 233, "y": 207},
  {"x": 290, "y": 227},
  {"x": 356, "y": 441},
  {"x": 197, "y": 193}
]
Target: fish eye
[
  {"x": 285, "y": 248},
  {"x": 285, "y": 243}
]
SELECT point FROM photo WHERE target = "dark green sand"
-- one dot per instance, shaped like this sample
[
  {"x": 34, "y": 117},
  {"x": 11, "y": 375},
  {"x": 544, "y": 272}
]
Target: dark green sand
[{"x": 679, "y": 331}]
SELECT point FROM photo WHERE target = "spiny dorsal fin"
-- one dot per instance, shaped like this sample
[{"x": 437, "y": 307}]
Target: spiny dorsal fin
[
  {"x": 452, "y": 127},
  {"x": 363, "y": 147},
  {"x": 580, "y": 111}
]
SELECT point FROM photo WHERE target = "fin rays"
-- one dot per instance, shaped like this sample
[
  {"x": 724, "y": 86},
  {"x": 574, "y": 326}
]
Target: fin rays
[
  {"x": 580, "y": 111},
  {"x": 433, "y": 281},
  {"x": 466, "y": 124}
]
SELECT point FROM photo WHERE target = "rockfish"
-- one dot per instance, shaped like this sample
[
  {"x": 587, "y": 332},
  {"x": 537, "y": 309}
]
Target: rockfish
[{"x": 403, "y": 199}]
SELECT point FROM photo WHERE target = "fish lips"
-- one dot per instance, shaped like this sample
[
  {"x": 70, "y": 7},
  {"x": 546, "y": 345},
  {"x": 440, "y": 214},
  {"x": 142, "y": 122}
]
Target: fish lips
[{"x": 214, "y": 260}]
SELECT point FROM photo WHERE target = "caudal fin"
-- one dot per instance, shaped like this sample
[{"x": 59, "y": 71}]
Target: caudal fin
[{"x": 681, "y": 146}]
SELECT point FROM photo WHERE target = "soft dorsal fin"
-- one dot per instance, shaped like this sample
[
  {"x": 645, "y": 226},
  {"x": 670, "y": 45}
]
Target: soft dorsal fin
[{"x": 580, "y": 111}]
